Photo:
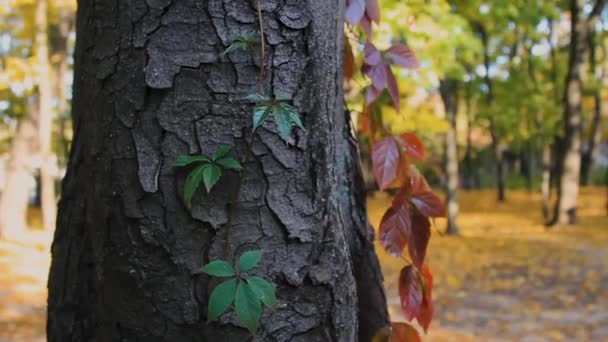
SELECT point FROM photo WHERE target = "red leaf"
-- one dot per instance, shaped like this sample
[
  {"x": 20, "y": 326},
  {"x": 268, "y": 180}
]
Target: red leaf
[
  {"x": 372, "y": 55},
  {"x": 395, "y": 227},
  {"x": 410, "y": 292},
  {"x": 366, "y": 24},
  {"x": 427, "y": 309},
  {"x": 423, "y": 198},
  {"x": 379, "y": 75},
  {"x": 402, "y": 332},
  {"x": 372, "y": 10},
  {"x": 402, "y": 55},
  {"x": 419, "y": 183},
  {"x": 372, "y": 95},
  {"x": 349, "y": 60},
  {"x": 354, "y": 11},
  {"x": 393, "y": 88},
  {"x": 385, "y": 158},
  {"x": 419, "y": 238},
  {"x": 412, "y": 145},
  {"x": 429, "y": 204}
]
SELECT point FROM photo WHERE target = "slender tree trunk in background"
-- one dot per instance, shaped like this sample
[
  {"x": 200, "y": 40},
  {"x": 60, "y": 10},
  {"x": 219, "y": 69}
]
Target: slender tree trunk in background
[
  {"x": 497, "y": 147},
  {"x": 60, "y": 52},
  {"x": 570, "y": 156},
  {"x": 595, "y": 132},
  {"x": 19, "y": 177},
  {"x": 469, "y": 172},
  {"x": 449, "y": 94},
  {"x": 151, "y": 84},
  {"x": 45, "y": 117},
  {"x": 595, "y": 139},
  {"x": 545, "y": 187}
]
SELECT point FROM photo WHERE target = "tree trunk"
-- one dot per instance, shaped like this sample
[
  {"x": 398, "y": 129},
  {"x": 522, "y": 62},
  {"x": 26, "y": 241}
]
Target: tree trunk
[
  {"x": 595, "y": 139},
  {"x": 497, "y": 148},
  {"x": 19, "y": 180},
  {"x": 545, "y": 187},
  {"x": 469, "y": 172},
  {"x": 151, "y": 84},
  {"x": 595, "y": 132},
  {"x": 449, "y": 94},
  {"x": 45, "y": 117},
  {"x": 570, "y": 155},
  {"x": 60, "y": 53}
]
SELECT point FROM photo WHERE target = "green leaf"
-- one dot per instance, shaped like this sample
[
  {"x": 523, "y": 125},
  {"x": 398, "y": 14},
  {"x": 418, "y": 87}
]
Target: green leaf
[
  {"x": 293, "y": 114},
  {"x": 193, "y": 181},
  {"x": 219, "y": 268},
  {"x": 283, "y": 120},
  {"x": 235, "y": 46},
  {"x": 186, "y": 160},
  {"x": 257, "y": 98},
  {"x": 264, "y": 290},
  {"x": 283, "y": 97},
  {"x": 220, "y": 152},
  {"x": 248, "y": 307},
  {"x": 220, "y": 299},
  {"x": 229, "y": 163},
  {"x": 211, "y": 175},
  {"x": 249, "y": 260},
  {"x": 260, "y": 114}
]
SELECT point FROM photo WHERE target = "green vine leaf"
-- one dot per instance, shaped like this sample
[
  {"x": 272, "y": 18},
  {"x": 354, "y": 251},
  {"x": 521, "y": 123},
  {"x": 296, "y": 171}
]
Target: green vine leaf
[
  {"x": 220, "y": 152},
  {"x": 264, "y": 290},
  {"x": 258, "y": 98},
  {"x": 248, "y": 307},
  {"x": 241, "y": 43},
  {"x": 220, "y": 299},
  {"x": 285, "y": 115},
  {"x": 260, "y": 114},
  {"x": 249, "y": 260},
  {"x": 219, "y": 268},
  {"x": 193, "y": 181},
  {"x": 211, "y": 175},
  {"x": 187, "y": 160},
  {"x": 229, "y": 163}
]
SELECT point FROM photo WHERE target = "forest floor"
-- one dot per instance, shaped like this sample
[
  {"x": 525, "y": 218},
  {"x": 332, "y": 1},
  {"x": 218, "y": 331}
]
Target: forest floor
[{"x": 505, "y": 279}]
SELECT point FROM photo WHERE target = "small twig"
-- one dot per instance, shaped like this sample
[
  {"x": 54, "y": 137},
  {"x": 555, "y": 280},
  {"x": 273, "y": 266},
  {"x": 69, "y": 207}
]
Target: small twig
[{"x": 263, "y": 47}]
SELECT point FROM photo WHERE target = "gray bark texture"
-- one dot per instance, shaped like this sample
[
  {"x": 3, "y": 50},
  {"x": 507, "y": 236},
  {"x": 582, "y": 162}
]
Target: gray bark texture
[{"x": 151, "y": 83}]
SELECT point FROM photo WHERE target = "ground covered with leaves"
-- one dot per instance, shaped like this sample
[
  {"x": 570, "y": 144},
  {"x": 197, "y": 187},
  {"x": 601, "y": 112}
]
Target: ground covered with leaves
[
  {"x": 505, "y": 279},
  {"x": 509, "y": 279}
]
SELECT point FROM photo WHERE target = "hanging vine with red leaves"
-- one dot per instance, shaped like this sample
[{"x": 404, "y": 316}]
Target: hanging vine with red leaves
[{"x": 406, "y": 224}]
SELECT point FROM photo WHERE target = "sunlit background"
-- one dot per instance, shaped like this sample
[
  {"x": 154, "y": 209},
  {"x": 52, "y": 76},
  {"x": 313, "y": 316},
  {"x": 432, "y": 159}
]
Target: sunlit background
[{"x": 505, "y": 277}]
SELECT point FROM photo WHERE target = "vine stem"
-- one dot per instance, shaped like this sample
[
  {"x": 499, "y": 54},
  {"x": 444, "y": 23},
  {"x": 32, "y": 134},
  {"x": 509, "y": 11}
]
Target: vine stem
[
  {"x": 235, "y": 196},
  {"x": 262, "y": 45}
]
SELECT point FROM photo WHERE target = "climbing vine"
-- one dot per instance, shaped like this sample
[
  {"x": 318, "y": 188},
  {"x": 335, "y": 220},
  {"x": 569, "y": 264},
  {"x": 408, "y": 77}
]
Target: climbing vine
[{"x": 405, "y": 225}]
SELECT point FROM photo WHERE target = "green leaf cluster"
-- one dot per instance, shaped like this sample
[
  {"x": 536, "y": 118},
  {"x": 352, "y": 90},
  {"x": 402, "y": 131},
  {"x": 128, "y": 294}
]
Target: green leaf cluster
[
  {"x": 241, "y": 43},
  {"x": 247, "y": 293},
  {"x": 284, "y": 114},
  {"x": 208, "y": 170}
]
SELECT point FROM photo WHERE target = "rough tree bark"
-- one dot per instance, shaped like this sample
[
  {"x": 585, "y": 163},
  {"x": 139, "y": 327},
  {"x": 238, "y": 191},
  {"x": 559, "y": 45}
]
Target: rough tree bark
[
  {"x": 570, "y": 153},
  {"x": 45, "y": 117},
  {"x": 151, "y": 83},
  {"x": 19, "y": 177},
  {"x": 449, "y": 94}
]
